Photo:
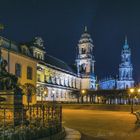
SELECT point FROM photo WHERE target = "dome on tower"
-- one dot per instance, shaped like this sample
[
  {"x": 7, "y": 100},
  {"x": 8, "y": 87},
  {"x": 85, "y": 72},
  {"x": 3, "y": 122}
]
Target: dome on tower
[{"x": 85, "y": 37}]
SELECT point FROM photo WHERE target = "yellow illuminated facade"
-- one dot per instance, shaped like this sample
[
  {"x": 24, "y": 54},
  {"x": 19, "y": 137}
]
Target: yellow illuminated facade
[
  {"x": 19, "y": 64},
  {"x": 53, "y": 79}
]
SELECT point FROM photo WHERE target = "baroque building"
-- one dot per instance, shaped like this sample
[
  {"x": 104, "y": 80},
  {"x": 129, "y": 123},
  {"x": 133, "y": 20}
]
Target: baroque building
[
  {"x": 125, "y": 79},
  {"x": 125, "y": 69},
  {"x": 52, "y": 77},
  {"x": 85, "y": 61},
  {"x": 107, "y": 83},
  {"x": 20, "y": 63},
  {"x": 56, "y": 81},
  {"x": 59, "y": 80}
]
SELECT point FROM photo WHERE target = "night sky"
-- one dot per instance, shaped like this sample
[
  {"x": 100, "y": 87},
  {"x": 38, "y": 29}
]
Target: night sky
[{"x": 61, "y": 22}]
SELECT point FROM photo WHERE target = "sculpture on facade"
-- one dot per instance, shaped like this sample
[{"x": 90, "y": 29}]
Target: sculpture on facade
[
  {"x": 38, "y": 41},
  {"x": 7, "y": 81}
]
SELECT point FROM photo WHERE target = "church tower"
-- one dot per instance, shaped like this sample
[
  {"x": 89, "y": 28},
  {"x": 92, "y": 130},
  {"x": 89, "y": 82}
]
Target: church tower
[
  {"x": 125, "y": 68},
  {"x": 85, "y": 61}
]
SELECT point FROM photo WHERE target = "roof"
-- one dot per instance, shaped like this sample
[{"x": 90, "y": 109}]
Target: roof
[
  {"x": 8, "y": 44},
  {"x": 58, "y": 63},
  {"x": 14, "y": 47},
  {"x": 85, "y": 37}
]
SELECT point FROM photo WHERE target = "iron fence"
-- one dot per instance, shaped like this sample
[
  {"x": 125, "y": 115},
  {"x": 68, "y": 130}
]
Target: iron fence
[{"x": 38, "y": 121}]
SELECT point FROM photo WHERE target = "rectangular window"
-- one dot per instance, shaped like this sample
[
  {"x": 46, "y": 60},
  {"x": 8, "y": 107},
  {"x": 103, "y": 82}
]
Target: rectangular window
[
  {"x": 18, "y": 70},
  {"x": 29, "y": 99},
  {"x": 29, "y": 73}
]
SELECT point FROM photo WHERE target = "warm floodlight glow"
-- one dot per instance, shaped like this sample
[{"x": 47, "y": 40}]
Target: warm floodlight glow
[
  {"x": 83, "y": 91},
  {"x": 132, "y": 90},
  {"x": 138, "y": 90}
]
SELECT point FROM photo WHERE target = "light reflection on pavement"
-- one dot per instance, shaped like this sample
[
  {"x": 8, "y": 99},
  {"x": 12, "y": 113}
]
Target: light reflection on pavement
[{"x": 105, "y": 125}]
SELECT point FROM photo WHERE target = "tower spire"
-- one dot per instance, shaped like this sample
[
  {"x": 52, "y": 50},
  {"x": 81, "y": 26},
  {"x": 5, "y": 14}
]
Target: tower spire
[
  {"x": 85, "y": 29},
  {"x": 125, "y": 39},
  {"x": 126, "y": 46}
]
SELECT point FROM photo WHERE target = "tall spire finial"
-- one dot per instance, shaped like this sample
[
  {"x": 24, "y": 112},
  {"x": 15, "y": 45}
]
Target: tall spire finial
[
  {"x": 125, "y": 39},
  {"x": 85, "y": 28}
]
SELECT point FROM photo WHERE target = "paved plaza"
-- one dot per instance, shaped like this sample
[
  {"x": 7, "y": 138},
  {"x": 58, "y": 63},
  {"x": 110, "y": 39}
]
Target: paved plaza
[{"x": 102, "y": 125}]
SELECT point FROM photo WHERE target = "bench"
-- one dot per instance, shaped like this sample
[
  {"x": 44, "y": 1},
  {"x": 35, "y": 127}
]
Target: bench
[{"x": 137, "y": 114}]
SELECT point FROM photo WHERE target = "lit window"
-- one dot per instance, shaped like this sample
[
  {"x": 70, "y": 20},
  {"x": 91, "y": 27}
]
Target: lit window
[
  {"x": 29, "y": 73},
  {"x": 18, "y": 70}
]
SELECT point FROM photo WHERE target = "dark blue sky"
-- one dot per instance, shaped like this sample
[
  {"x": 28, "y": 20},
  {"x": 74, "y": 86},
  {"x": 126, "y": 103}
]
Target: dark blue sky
[{"x": 61, "y": 22}]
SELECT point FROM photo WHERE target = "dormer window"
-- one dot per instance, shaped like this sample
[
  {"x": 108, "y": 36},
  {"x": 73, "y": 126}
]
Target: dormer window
[
  {"x": 39, "y": 55},
  {"x": 25, "y": 50}
]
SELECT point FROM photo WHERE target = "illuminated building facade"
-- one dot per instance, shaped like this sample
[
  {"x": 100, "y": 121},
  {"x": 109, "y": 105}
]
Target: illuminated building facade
[
  {"x": 20, "y": 63},
  {"x": 125, "y": 79},
  {"x": 85, "y": 61},
  {"x": 56, "y": 81},
  {"x": 125, "y": 69},
  {"x": 107, "y": 83},
  {"x": 53, "y": 78},
  {"x": 30, "y": 63},
  {"x": 60, "y": 80}
]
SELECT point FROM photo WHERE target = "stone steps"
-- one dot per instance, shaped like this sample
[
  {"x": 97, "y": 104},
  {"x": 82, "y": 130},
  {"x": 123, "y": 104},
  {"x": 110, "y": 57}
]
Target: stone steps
[{"x": 72, "y": 134}]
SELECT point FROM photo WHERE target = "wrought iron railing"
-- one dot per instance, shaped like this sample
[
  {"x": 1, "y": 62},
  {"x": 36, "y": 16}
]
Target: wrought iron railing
[{"x": 38, "y": 121}]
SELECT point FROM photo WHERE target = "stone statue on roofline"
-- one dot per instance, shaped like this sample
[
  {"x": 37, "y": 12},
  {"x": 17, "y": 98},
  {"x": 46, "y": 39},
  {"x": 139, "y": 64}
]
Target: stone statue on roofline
[{"x": 38, "y": 41}]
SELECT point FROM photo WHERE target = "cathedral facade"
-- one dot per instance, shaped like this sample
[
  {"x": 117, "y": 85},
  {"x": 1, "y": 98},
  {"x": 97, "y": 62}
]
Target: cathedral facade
[
  {"x": 125, "y": 78},
  {"x": 125, "y": 69},
  {"x": 85, "y": 61}
]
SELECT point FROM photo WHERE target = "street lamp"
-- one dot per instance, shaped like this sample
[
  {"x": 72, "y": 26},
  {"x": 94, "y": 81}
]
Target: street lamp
[
  {"x": 82, "y": 94},
  {"x": 133, "y": 92},
  {"x": 131, "y": 96},
  {"x": 83, "y": 91},
  {"x": 138, "y": 91}
]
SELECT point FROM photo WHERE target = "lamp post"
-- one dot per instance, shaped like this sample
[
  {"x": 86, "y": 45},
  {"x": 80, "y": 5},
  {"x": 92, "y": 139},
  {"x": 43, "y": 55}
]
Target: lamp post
[
  {"x": 131, "y": 96},
  {"x": 133, "y": 92},
  {"x": 138, "y": 91},
  {"x": 83, "y": 92}
]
